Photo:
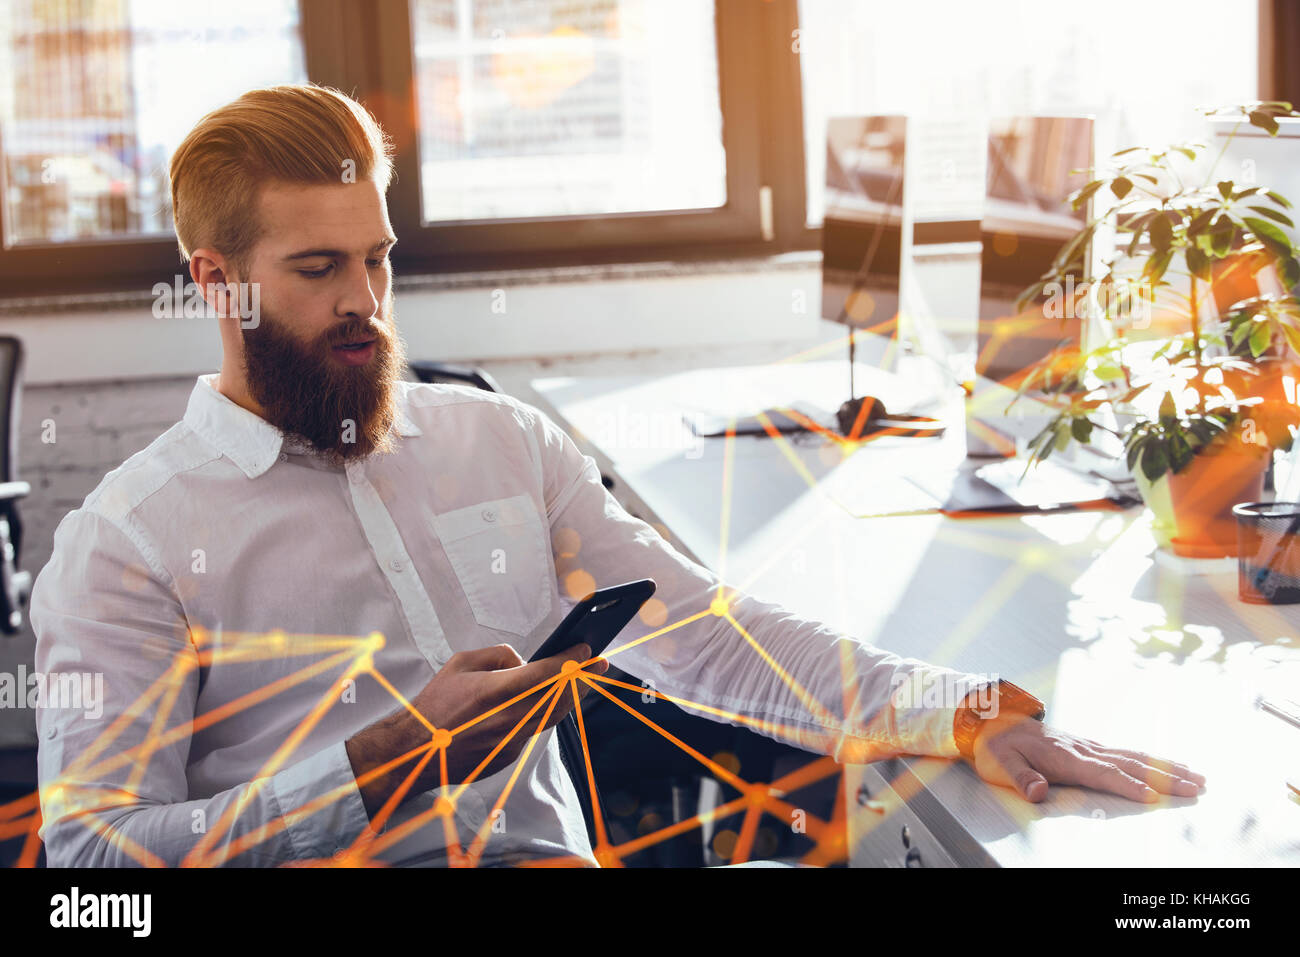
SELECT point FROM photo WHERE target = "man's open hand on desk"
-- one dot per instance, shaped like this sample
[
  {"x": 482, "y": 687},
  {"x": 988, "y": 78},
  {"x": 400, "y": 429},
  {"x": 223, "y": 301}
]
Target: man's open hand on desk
[
  {"x": 1018, "y": 752},
  {"x": 471, "y": 684}
]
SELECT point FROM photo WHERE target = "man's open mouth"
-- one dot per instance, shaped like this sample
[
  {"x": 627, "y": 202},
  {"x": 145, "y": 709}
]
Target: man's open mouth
[{"x": 357, "y": 353}]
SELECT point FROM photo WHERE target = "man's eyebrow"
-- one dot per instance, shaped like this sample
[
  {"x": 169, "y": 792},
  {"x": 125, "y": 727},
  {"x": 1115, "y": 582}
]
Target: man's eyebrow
[{"x": 380, "y": 246}]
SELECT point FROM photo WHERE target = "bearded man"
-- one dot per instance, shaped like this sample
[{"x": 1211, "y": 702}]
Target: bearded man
[{"x": 312, "y": 598}]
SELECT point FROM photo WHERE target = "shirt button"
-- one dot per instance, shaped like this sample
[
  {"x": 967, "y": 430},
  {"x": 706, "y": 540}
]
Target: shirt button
[
  {"x": 51, "y": 733},
  {"x": 489, "y": 515},
  {"x": 396, "y": 565}
]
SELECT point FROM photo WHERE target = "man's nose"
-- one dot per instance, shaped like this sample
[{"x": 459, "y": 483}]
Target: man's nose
[{"x": 360, "y": 298}]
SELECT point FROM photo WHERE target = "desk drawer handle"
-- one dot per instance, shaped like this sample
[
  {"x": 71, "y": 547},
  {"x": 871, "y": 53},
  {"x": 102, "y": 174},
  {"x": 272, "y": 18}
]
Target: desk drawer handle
[{"x": 865, "y": 802}]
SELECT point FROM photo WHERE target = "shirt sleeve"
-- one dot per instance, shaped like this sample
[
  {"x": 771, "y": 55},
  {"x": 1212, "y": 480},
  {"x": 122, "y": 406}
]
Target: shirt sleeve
[
  {"x": 791, "y": 678},
  {"x": 112, "y": 763}
]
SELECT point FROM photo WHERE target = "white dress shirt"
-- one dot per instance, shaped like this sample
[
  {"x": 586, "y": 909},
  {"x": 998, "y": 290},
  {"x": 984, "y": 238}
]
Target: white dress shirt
[{"x": 225, "y": 558}]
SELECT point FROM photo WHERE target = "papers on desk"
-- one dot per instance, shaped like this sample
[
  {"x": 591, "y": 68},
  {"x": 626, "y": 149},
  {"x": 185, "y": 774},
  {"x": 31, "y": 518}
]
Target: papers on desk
[
  {"x": 716, "y": 424},
  {"x": 1045, "y": 485},
  {"x": 1006, "y": 487}
]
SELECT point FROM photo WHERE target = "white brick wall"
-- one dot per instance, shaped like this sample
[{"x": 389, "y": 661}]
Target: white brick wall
[{"x": 96, "y": 427}]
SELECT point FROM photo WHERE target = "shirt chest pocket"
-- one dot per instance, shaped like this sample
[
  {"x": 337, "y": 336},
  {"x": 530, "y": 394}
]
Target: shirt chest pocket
[{"x": 500, "y": 551}]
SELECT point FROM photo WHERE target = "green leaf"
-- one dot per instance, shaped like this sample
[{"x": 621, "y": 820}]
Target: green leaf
[
  {"x": 1161, "y": 233},
  {"x": 1198, "y": 264},
  {"x": 1264, "y": 121},
  {"x": 1270, "y": 235},
  {"x": 1279, "y": 199},
  {"x": 1155, "y": 267},
  {"x": 1108, "y": 372},
  {"x": 1225, "y": 188},
  {"x": 1121, "y": 186},
  {"x": 1081, "y": 429},
  {"x": 1062, "y": 439},
  {"x": 1288, "y": 270},
  {"x": 1168, "y": 410},
  {"x": 1201, "y": 220},
  {"x": 1292, "y": 337},
  {"x": 1274, "y": 215},
  {"x": 1154, "y": 462},
  {"x": 1221, "y": 240},
  {"x": 1082, "y": 195},
  {"x": 1260, "y": 337}
]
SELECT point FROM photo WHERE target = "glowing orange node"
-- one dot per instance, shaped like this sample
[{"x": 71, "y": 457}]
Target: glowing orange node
[{"x": 606, "y": 857}]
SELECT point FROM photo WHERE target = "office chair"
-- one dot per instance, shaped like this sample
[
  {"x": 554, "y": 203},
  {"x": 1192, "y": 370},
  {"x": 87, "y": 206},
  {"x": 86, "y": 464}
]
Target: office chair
[
  {"x": 427, "y": 370},
  {"x": 15, "y": 585}
]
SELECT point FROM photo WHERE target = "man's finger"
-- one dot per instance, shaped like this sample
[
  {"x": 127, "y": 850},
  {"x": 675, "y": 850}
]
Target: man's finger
[
  {"x": 492, "y": 658},
  {"x": 1008, "y": 767},
  {"x": 1105, "y": 775},
  {"x": 1154, "y": 777},
  {"x": 1172, "y": 768}
]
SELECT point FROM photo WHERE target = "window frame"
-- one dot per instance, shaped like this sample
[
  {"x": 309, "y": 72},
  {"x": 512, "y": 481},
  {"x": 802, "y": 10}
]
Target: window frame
[{"x": 345, "y": 45}]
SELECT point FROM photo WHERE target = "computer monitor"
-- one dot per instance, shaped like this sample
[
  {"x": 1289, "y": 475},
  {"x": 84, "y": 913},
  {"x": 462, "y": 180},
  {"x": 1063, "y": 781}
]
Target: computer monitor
[
  {"x": 862, "y": 249},
  {"x": 1034, "y": 163},
  {"x": 862, "y": 232}
]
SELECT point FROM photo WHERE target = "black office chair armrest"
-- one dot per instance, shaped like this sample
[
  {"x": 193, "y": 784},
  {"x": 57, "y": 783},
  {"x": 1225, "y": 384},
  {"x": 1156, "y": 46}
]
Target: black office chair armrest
[{"x": 427, "y": 370}]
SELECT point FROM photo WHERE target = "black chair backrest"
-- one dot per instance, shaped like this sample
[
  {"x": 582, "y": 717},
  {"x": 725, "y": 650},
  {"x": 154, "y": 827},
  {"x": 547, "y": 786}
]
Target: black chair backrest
[
  {"x": 11, "y": 374},
  {"x": 429, "y": 370}
]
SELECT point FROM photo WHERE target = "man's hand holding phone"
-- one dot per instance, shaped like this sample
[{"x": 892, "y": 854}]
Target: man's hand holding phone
[{"x": 471, "y": 684}]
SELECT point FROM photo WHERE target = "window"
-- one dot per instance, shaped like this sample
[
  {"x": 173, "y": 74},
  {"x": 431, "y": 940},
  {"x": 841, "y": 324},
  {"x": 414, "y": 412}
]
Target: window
[
  {"x": 98, "y": 94},
  {"x": 535, "y": 132},
  {"x": 580, "y": 108},
  {"x": 1142, "y": 69},
  {"x": 549, "y": 131},
  {"x": 527, "y": 131}
]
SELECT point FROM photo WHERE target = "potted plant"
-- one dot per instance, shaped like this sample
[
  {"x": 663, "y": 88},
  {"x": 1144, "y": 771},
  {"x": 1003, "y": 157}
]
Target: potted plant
[{"x": 1194, "y": 350}]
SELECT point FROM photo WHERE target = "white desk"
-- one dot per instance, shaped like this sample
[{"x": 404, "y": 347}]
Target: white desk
[{"x": 1124, "y": 648}]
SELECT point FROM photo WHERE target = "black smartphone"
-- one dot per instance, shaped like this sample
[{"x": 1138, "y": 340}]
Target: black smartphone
[{"x": 596, "y": 619}]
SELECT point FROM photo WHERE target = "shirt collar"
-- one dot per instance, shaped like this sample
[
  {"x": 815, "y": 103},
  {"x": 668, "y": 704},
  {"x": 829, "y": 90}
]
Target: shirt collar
[{"x": 250, "y": 441}]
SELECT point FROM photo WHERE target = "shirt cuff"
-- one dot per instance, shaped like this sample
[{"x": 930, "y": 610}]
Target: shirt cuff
[
  {"x": 336, "y": 824},
  {"x": 925, "y": 706}
]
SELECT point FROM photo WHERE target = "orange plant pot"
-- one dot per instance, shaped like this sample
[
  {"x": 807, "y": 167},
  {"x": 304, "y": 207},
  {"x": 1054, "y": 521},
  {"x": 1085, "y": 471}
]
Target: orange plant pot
[{"x": 1204, "y": 493}]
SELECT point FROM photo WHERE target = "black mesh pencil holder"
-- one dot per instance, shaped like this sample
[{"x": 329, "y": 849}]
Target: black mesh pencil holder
[{"x": 1268, "y": 552}]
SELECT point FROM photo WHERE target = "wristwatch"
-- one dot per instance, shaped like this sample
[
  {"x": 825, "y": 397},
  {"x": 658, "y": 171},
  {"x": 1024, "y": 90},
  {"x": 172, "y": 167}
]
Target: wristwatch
[{"x": 1007, "y": 698}]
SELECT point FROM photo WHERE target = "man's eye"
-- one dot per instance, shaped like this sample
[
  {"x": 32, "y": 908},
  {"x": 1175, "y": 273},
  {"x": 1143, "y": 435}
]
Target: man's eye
[
  {"x": 316, "y": 273},
  {"x": 376, "y": 263}
]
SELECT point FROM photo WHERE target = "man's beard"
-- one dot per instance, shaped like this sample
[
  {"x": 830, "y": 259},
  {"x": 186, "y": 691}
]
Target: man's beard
[{"x": 343, "y": 412}]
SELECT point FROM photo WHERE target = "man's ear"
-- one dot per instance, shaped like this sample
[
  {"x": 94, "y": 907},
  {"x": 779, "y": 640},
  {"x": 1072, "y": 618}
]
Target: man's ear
[{"x": 218, "y": 284}]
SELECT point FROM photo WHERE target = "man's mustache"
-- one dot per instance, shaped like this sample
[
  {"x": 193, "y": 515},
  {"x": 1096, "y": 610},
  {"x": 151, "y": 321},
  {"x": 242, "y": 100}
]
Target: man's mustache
[{"x": 355, "y": 330}]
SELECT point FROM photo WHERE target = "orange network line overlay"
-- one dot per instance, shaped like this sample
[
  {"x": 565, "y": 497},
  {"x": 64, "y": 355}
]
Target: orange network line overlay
[{"x": 22, "y": 816}]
